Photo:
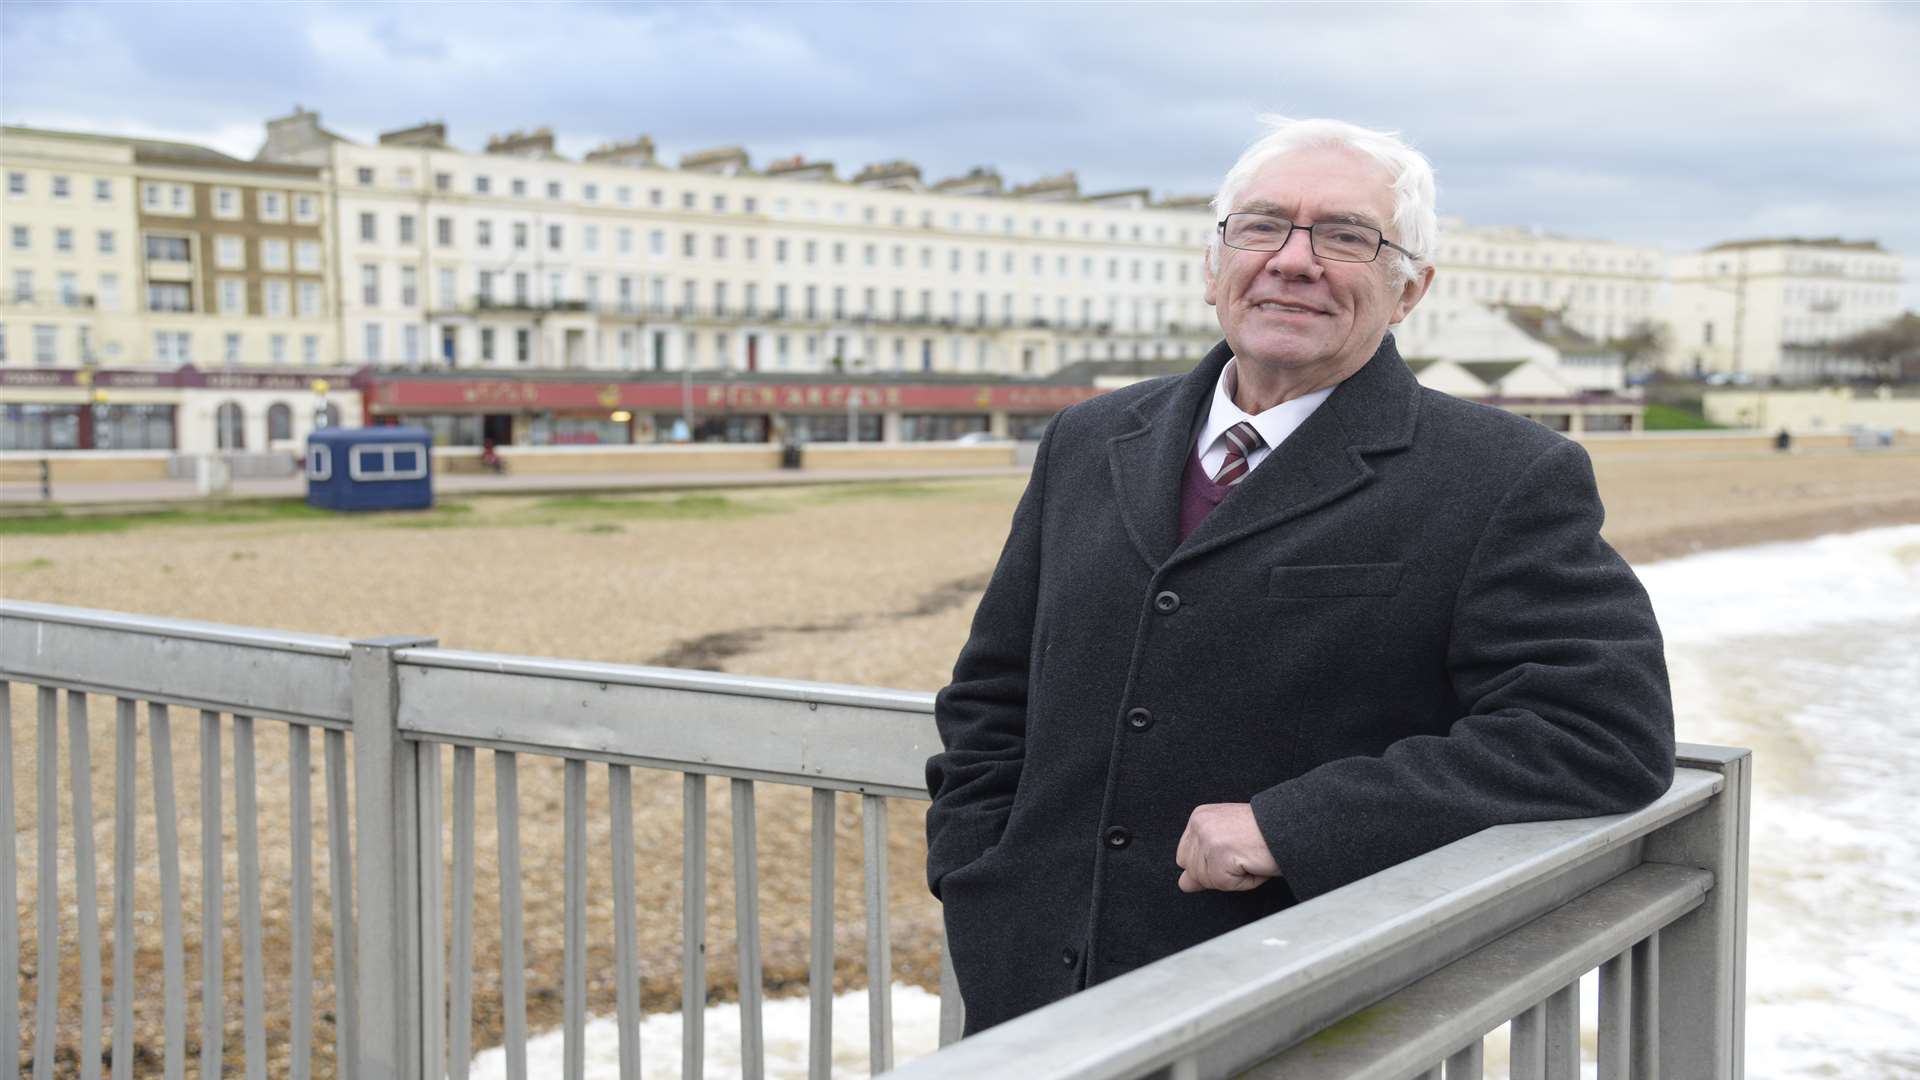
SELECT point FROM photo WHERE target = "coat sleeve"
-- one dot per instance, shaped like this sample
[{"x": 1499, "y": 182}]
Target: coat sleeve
[
  {"x": 982, "y": 713},
  {"x": 1557, "y": 663}
]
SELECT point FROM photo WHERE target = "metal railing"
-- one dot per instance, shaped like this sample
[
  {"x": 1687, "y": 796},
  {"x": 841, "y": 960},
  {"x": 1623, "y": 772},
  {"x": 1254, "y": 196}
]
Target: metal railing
[{"x": 1391, "y": 977}]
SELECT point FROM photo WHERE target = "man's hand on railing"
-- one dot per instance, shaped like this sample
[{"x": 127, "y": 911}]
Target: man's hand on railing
[{"x": 1224, "y": 849}]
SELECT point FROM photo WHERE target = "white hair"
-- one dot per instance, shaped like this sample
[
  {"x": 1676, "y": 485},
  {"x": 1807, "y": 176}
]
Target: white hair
[{"x": 1414, "y": 225}]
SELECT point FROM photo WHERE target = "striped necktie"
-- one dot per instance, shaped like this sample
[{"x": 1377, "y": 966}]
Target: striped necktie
[{"x": 1242, "y": 440}]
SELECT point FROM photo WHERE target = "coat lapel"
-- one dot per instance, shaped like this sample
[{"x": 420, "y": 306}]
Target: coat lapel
[
  {"x": 1373, "y": 411},
  {"x": 1150, "y": 462}
]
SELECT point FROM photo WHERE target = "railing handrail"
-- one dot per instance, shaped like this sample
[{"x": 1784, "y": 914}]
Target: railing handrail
[
  {"x": 187, "y": 629},
  {"x": 1305, "y": 967}
]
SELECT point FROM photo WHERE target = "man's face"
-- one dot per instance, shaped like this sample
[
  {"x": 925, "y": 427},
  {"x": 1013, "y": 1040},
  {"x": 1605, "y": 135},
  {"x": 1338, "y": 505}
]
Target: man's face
[{"x": 1289, "y": 311}]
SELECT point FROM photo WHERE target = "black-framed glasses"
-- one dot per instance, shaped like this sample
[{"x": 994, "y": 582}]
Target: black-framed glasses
[{"x": 1338, "y": 241}]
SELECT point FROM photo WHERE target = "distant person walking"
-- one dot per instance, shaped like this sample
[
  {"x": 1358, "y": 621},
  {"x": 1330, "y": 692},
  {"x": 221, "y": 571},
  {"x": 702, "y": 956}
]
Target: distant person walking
[
  {"x": 1268, "y": 627},
  {"x": 1783, "y": 442}
]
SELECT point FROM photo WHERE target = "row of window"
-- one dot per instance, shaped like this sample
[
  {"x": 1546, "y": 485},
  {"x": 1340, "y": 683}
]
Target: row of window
[
  {"x": 60, "y": 187},
  {"x": 1545, "y": 290},
  {"x": 229, "y": 203},
  {"x": 661, "y": 350},
  {"x": 66, "y": 292},
  {"x": 49, "y": 346},
  {"x": 1470, "y": 256},
  {"x": 230, "y": 252},
  {"x": 20, "y": 238},
  {"x": 719, "y": 203},
  {"x": 721, "y": 246}
]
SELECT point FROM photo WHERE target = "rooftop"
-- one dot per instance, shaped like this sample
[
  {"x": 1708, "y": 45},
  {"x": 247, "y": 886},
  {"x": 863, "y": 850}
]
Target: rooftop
[{"x": 1830, "y": 242}]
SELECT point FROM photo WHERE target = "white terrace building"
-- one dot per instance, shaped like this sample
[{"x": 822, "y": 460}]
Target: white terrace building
[
  {"x": 1772, "y": 309},
  {"x": 519, "y": 259},
  {"x": 1599, "y": 288}
]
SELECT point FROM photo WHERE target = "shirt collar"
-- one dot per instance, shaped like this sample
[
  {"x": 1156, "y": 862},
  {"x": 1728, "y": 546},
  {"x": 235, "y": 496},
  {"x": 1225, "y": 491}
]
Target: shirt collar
[{"x": 1274, "y": 425}]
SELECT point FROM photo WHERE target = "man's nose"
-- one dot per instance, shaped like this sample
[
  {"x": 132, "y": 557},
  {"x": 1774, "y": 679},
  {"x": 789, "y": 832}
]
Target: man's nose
[{"x": 1295, "y": 257}]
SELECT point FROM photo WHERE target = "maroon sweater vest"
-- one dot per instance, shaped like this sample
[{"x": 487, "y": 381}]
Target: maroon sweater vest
[{"x": 1198, "y": 496}]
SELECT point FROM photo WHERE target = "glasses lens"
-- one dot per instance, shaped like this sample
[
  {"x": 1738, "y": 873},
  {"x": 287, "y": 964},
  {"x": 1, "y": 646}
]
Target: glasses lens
[
  {"x": 1346, "y": 243},
  {"x": 1257, "y": 232}
]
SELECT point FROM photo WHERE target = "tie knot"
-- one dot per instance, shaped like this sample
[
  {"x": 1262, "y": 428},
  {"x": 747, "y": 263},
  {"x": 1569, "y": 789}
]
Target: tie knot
[{"x": 1241, "y": 439}]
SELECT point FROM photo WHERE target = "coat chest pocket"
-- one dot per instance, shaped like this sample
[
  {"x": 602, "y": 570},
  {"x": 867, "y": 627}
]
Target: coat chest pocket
[{"x": 1361, "y": 579}]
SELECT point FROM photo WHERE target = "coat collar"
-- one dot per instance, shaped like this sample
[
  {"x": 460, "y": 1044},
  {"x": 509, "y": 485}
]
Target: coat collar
[{"x": 1373, "y": 411}]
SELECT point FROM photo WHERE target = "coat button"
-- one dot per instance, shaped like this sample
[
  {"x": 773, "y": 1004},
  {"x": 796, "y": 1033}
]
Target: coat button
[
  {"x": 1166, "y": 603},
  {"x": 1139, "y": 719},
  {"x": 1118, "y": 837},
  {"x": 1068, "y": 957}
]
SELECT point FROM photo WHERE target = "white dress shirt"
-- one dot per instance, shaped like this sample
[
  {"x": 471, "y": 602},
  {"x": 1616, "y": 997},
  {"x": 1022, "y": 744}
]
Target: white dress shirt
[{"x": 1274, "y": 425}]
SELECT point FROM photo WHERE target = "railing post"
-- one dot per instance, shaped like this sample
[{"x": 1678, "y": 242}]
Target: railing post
[
  {"x": 388, "y": 863},
  {"x": 1702, "y": 976}
]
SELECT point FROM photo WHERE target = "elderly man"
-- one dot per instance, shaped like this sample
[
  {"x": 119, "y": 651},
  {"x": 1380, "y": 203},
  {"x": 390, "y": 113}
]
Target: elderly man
[{"x": 1268, "y": 627}]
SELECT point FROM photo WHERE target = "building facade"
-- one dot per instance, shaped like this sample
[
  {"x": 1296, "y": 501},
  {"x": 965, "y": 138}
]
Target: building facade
[
  {"x": 517, "y": 259},
  {"x": 1771, "y": 309},
  {"x": 129, "y": 260},
  {"x": 1601, "y": 289}
]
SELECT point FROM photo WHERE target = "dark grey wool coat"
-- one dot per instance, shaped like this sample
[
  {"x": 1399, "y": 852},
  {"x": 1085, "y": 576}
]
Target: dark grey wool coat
[{"x": 1402, "y": 628}]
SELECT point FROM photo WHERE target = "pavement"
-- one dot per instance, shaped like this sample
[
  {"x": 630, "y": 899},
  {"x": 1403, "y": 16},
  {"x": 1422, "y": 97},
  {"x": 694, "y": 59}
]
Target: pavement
[{"x": 98, "y": 497}]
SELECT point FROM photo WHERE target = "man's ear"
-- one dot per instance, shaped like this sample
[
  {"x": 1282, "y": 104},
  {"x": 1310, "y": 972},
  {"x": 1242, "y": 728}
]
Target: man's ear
[
  {"x": 1411, "y": 292},
  {"x": 1206, "y": 273}
]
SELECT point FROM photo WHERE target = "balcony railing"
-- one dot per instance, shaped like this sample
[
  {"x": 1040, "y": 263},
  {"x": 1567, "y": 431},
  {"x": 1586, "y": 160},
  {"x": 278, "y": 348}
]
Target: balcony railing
[{"x": 1396, "y": 976}]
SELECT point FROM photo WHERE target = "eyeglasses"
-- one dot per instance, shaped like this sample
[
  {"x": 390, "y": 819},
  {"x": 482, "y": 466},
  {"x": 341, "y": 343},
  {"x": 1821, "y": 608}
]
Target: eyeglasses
[{"x": 1337, "y": 241}]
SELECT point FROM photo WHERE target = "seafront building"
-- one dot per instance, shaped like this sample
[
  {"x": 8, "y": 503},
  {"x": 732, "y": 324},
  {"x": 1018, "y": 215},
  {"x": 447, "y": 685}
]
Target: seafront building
[
  {"x": 160, "y": 295},
  {"x": 146, "y": 282},
  {"x": 1772, "y": 309}
]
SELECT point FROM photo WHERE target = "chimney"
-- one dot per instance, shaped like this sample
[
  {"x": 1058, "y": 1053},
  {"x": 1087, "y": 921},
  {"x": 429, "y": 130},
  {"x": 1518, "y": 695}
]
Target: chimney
[
  {"x": 536, "y": 144},
  {"x": 433, "y": 135},
  {"x": 634, "y": 153}
]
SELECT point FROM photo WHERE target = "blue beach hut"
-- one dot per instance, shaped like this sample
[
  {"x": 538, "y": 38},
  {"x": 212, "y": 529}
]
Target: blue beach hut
[{"x": 374, "y": 468}]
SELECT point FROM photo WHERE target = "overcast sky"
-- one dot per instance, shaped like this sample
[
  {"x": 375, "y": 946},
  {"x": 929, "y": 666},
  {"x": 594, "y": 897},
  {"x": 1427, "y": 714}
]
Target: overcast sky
[{"x": 1672, "y": 125}]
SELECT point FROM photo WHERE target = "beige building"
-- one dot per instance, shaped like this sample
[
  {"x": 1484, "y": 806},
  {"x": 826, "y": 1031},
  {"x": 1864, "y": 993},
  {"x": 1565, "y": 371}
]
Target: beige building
[
  {"x": 1598, "y": 288},
  {"x": 129, "y": 261},
  {"x": 518, "y": 258},
  {"x": 1772, "y": 309}
]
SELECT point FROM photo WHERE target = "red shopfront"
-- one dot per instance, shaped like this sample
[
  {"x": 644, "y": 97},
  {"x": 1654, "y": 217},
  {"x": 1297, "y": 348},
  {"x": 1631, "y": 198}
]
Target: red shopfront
[{"x": 549, "y": 411}]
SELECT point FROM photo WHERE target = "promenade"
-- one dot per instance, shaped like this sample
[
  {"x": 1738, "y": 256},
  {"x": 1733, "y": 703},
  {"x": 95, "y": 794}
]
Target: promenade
[{"x": 124, "y": 494}]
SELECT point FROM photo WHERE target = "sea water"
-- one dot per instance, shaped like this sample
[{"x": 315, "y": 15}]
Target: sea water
[{"x": 1807, "y": 653}]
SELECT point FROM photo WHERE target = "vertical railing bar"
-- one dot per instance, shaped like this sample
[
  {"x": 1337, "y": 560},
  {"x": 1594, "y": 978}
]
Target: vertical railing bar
[
  {"x": 346, "y": 1001},
  {"x": 625, "y": 930},
  {"x": 300, "y": 810},
  {"x": 574, "y": 932},
  {"x": 1645, "y": 1037},
  {"x": 879, "y": 948},
  {"x": 1468, "y": 1062},
  {"x": 1616, "y": 1012},
  {"x": 125, "y": 743},
  {"x": 1527, "y": 1059},
  {"x": 746, "y": 924},
  {"x": 953, "y": 1011},
  {"x": 167, "y": 844},
  {"x": 47, "y": 919},
  {"x": 246, "y": 821},
  {"x": 9, "y": 889},
  {"x": 693, "y": 927},
  {"x": 513, "y": 965},
  {"x": 432, "y": 861},
  {"x": 1563, "y": 1033},
  {"x": 820, "y": 967},
  {"x": 86, "y": 883},
  {"x": 460, "y": 993},
  {"x": 212, "y": 992}
]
